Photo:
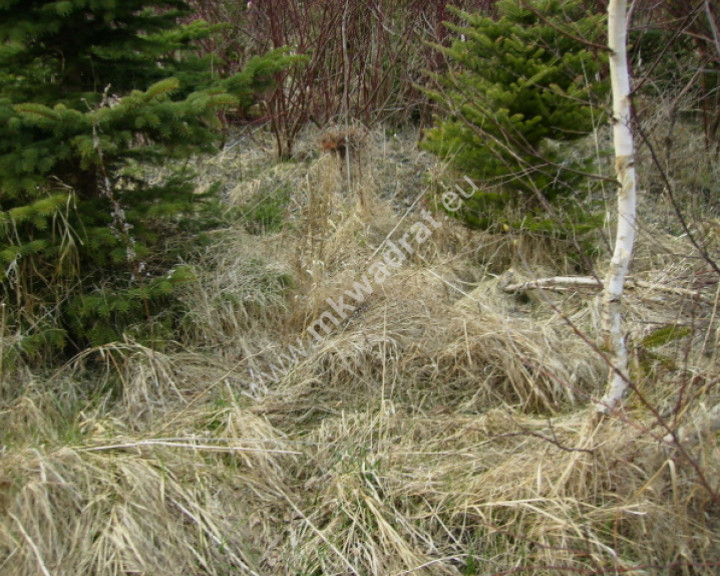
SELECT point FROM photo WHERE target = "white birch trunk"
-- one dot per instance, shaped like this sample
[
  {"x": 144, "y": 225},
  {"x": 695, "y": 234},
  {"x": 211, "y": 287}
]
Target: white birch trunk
[{"x": 618, "y": 380}]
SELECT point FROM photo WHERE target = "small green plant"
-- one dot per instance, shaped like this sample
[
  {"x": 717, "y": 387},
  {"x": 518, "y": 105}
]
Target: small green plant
[
  {"x": 521, "y": 90},
  {"x": 265, "y": 213},
  {"x": 665, "y": 335}
]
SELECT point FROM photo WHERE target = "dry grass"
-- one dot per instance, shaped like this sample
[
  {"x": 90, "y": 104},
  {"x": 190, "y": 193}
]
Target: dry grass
[
  {"x": 444, "y": 427},
  {"x": 130, "y": 507},
  {"x": 241, "y": 288}
]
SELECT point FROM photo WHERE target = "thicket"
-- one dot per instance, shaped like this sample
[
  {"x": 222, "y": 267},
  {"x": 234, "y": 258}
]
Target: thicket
[
  {"x": 695, "y": 23},
  {"x": 376, "y": 72},
  {"x": 363, "y": 60},
  {"x": 520, "y": 91},
  {"x": 98, "y": 103}
]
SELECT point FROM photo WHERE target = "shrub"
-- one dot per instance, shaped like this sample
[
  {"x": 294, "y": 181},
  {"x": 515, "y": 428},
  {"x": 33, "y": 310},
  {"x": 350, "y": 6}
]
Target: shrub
[{"x": 520, "y": 90}]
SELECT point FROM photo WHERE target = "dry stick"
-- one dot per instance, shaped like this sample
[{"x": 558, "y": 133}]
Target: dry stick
[
  {"x": 525, "y": 432},
  {"x": 563, "y": 282},
  {"x": 346, "y": 97}
]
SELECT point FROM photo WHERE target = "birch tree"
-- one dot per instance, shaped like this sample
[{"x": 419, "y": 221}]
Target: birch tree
[{"x": 619, "y": 379}]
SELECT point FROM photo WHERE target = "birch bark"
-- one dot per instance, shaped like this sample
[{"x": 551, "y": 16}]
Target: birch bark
[{"x": 618, "y": 380}]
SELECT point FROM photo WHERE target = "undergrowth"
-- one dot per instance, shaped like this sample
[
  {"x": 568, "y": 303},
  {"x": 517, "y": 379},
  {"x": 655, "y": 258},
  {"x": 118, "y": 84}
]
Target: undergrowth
[{"x": 443, "y": 427}]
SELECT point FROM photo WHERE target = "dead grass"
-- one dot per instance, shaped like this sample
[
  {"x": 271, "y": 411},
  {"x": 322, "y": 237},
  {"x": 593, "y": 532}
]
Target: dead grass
[
  {"x": 242, "y": 287},
  {"x": 442, "y": 428},
  {"x": 129, "y": 509}
]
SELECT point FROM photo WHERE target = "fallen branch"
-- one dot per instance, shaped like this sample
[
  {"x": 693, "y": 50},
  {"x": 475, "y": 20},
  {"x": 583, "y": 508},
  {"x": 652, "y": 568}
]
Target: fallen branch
[
  {"x": 554, "y": 283},
  {"x": 563, "y": 283}
]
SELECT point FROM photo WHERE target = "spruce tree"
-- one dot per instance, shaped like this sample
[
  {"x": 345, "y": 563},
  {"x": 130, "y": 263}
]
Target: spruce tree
[
  {"x": 520, "y": 88},
  {"x": 93, "y": 94}
]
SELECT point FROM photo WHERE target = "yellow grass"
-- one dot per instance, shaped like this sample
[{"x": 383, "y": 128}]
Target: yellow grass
[{"x": 446, "y": 427}]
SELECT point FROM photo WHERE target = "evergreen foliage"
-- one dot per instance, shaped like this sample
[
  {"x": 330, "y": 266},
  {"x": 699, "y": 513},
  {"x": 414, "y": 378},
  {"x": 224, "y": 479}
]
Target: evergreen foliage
[
  {"x": 97, "y": 98},
  {"x": 520, "y": 89}
]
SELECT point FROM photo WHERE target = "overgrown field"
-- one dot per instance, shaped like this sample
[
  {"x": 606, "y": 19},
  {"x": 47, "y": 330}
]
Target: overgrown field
[{"x": 440, "y": 424}]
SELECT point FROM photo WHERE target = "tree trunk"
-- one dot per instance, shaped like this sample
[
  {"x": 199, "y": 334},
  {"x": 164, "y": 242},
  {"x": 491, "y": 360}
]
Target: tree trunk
[{"x": 619, "y": 380}]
